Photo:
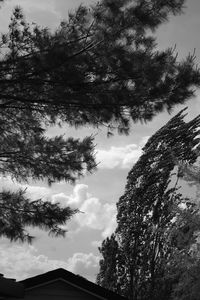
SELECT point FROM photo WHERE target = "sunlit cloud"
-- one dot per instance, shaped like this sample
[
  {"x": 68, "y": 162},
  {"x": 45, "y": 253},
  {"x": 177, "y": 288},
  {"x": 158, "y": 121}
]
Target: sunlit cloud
[
  {"x": 120, "y": 157},
  {"x": 21, "y": 262},
  {"x": 93, "y": 213},
  {"x": 78, "y": 196},
  {"x": 85, "y": 264},
  {"x": 96, "y": 244}
]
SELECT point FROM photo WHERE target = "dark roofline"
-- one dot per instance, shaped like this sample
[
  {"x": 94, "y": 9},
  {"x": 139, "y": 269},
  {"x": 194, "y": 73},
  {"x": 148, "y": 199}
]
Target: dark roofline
[
  {"x": 8, "y": 287},
  {"x": 77, "y": 280}
]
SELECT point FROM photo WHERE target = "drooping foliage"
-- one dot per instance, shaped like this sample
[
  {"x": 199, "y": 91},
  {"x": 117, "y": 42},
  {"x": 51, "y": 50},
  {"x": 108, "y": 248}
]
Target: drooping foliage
[
  {"x": 156, "y": 224},
  {"x": 100, "y": 66},
  {"x": 17, "y": 213},
  {"x": 26, "y": 152}
]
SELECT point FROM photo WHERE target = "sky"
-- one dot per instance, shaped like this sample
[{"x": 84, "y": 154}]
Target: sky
[{"x": 95, "y": 195}]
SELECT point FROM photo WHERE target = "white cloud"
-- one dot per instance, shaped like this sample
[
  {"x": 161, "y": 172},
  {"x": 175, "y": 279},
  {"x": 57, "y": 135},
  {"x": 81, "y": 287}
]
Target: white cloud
[
  {"x": 120, "y": 157},
  {"x": 143, "y": 141},
  {"x": 94, "y": 214},
  {"x": 96, "y": 244},
  {"x": 37, "y": 192},
  {"x": 84, "y": 264},
  {"x": 21, "y": 262},
  {"x": 78, "y": 196}
]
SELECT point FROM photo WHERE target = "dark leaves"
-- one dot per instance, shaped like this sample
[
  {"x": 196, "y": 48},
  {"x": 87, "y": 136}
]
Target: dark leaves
[
  {"x": 17, "y": 213},
  {"x": 155, "y": 223},
  {"x": 82, "y": 72}
]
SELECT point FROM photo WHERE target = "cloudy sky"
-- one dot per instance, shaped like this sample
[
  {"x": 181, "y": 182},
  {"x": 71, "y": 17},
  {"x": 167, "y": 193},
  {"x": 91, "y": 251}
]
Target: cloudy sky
[{"x": 97, "y": 194}]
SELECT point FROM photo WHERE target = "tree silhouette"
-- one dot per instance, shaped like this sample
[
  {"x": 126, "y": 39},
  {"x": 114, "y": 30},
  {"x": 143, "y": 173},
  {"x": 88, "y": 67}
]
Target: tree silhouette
[
  {"x": 100, "y": 66},
  {"x": 156, "y": 224}
]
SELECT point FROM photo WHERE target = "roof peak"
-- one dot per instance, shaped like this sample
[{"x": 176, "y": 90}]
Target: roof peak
[{"x": 75, "y": 280}]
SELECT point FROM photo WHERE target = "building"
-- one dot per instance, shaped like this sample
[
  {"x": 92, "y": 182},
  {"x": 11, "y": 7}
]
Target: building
[
  {"x": 58, "y": 284},
  {"x": 9, "y": 288}
]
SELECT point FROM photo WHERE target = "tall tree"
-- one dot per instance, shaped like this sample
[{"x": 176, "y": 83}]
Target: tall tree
[{"x": 155, "y": 222}]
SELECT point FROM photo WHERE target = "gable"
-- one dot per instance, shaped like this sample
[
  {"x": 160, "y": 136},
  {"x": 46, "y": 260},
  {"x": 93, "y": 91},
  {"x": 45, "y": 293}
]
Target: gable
[
  {"x": 59, "y": 290},
  {"x": 60, "y": 283}
]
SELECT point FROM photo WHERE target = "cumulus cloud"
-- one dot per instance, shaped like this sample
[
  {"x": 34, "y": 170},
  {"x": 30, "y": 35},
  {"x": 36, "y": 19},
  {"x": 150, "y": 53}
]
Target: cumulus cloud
[
  {"x": 84, "y": 264},
  {"x": 94, "y": 214},
  {"x": 78, "y": 196},
  {"x": 21, "y": 262},
  {"x": 97, "y": 216},
  {"x": 120, "y": 157}
]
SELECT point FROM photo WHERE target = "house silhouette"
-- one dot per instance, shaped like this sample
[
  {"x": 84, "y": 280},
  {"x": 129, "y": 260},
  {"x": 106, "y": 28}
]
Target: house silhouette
[{"x": 58, "y": 284}]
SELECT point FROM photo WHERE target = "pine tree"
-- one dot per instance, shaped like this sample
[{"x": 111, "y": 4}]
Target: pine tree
[
  {"x": 25, "y": 152},
  {"x": 17, "y": 213},
  {"x": 100, "y": 66},
  {"x": 155, "y": 222}
]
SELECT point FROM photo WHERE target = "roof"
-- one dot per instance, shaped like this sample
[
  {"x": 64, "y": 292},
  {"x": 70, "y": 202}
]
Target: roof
[
  {"x": 8, "y": 287},
  {"x": 75, "y": 280}
]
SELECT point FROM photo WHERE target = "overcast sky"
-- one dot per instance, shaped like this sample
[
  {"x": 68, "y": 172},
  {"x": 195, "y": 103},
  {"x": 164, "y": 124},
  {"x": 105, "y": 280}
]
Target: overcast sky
[{"x": 97, "y": 194}]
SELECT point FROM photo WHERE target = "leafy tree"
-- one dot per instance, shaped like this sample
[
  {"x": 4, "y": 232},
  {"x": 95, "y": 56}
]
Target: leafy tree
[
  {"x": 156, "y": 224},
  {"x": 108, "y": 273},
  {"x": 188, "y": 286}
]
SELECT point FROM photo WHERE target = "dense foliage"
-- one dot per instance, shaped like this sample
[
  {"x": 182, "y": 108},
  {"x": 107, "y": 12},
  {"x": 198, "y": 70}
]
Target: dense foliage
[
  {"x": 26, "y": 152},
  {"x": 17, "y": 213},
  {"x": 100, "y": 66},
  {"x": 156, "y": 224}
]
